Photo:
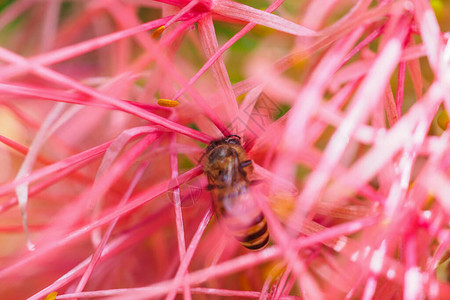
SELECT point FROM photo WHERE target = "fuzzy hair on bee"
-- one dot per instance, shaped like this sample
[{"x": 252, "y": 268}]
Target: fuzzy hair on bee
[{"x": 228, "y": 170}]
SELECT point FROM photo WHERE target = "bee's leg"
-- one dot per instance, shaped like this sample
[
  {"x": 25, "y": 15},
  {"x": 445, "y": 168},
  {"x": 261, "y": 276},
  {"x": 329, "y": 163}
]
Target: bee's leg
[
  {"x": 210, "y": 186},
  {"x": 243, "y": 165},
  {"x": 201, "y": 158},
  {"x": 255, "y": 182}
]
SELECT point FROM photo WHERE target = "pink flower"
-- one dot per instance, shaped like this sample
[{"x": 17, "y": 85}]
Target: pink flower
[{"x": 107, "y": 107}]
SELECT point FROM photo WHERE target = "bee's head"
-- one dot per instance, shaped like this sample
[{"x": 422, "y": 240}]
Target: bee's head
[
  {"x": 228, "y": 140},
  {"x": 232, "y": 139},
  {"x": 222, "y": 158}
]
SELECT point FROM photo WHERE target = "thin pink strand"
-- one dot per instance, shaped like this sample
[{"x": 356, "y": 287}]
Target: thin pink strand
[
  {"x": 376, "y": 263},
  {"x": 101, "y": 247},
  {"x": 280, "y": 236},
  {"x": 94, "y": 199},
  {"x": 118, "y": 244},
  {"x": 369, "y": 164},
  {"x": 135, "y": 202},
  {"x": 41, "y": 137},
  {"x": 178, "y": 3},
  {"x": 400, "y": 87},
  {"x": 234, "y": 265},
  {"x": 155, "y": 51},
  {"x": 225, "y": 293},
  {"x": 364, "y": 43},
  {"x": 412, "y": 288},
  {"x": 222, "y": 49},
  {"x": 210, "y": 45},
  {"x": 75, "y": 50},
  {"x": 308, "y": 102},
  {"x": 46, "y": 182},
  {"x": 183, "y": 268},
  {"x": 365, "y": 99},
  {"x": 249, "y": 14},
  {"x": 390, "y": 106},
  {"x": 80, "y": 207},
  {"x": 50, "y": 26},
  {"x": 283, "y": 286},
  {"x": 87, "y": 155},
  {"x": 68, "y": 97},
  {"x": 70, "y": 83},
  {"x": 20, "y": 148},
  {"x": 430, "y": 33},
  {"x": 178, "y": 211},
  {"x": 182, "y": 11}
]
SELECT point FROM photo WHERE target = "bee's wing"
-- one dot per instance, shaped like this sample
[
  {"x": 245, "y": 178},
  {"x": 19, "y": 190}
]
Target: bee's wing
[
  {"x": 232, "y": 172},
  {"x": 188, "y": 193},
  {"x": 273, "y": 184},
  {"x": 241, "y": 214},
  {"x": 238, "y": 201},
  {"x": 283, "y": 197}
]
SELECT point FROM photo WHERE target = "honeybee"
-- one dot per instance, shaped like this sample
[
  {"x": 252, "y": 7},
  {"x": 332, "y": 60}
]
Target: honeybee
[{"x": 229, "y": 170}]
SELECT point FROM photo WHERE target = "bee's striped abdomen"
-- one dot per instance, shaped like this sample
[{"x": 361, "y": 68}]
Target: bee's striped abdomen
[
  {"x": 256, "y": 237},
  {"x": 253, "y": 235}
]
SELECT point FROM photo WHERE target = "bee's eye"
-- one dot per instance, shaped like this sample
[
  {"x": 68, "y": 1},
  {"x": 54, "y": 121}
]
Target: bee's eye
[{"x": 233, "y": 140}]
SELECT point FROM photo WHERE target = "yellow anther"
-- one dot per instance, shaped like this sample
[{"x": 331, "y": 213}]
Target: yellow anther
[
  {"x": 168, "y": 102},
  {"x": 51, "y": 296},
  {"x": 442, "y": 119},
  {"x": 157, "y": 33}
]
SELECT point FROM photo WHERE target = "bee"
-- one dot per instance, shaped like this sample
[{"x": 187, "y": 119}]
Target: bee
[{"x": 229, "y": 170}]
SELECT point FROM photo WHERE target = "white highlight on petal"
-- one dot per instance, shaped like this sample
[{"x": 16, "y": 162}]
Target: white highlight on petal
[
  {"x": 390, "y": 274},
  {"x": 413, "y": 284},
  {"x": 367, "y": 250},
  {"x": 340, "y": 244},
  {"x": 427, "y": 214},
  {"x": 354, "y": 256},
  {"x": 433, "y": 291},
  {"x": 376, "y": 263}
]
